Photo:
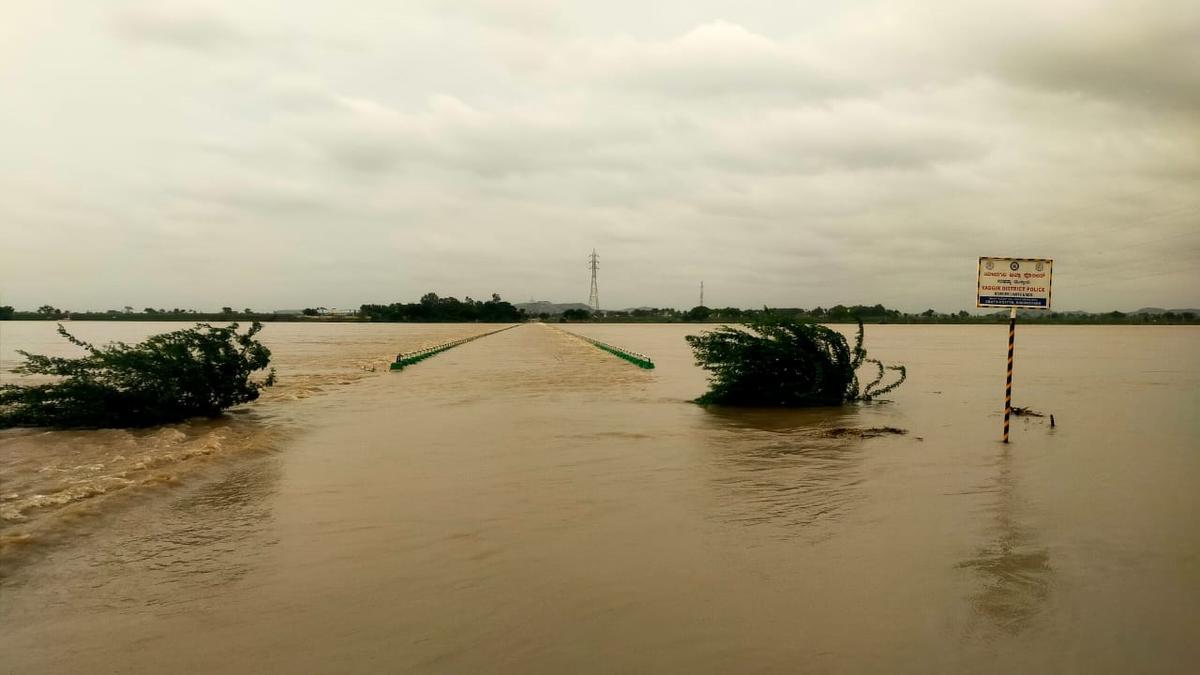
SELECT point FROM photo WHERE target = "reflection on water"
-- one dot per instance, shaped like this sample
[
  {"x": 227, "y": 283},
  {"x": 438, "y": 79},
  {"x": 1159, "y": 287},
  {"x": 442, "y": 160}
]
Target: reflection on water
[
  {"x": 781, "y": 467},
  {"x": 1013, "y": 571}
]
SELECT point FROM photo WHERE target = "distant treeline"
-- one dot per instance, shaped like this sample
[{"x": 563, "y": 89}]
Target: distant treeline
[
  {"x": 50, "y": 313},
  {"x": 432, "y": 308},
  {"x": 870, "y": 314}
]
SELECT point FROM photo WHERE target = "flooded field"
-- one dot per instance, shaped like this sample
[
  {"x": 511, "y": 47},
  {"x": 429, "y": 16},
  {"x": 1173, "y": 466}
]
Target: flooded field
[
  {"x": 52, "y": 478},
  {"x": 528, "y": 503}
]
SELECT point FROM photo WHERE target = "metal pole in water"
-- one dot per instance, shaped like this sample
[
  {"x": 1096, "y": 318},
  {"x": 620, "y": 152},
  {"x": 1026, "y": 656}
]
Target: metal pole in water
[{"x": 1012, "y": 334}]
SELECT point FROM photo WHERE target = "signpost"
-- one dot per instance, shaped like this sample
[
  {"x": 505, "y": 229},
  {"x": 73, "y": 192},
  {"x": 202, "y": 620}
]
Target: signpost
[{"x": 1013, "y": 283}]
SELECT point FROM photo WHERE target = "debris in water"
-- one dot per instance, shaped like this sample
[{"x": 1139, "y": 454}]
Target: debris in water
[
  {"x": 859, "y": 432},
  {"x": 1026, "y": 412}
]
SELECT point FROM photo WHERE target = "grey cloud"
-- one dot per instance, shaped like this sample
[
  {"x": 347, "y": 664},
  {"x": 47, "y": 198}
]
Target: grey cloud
[
  {"x": 364, "y": 156},
  {"x": 191, "y": 28},
  {"x": 264, "y": 198},
  {"x": 452, "y": 135},
  {"x": 1142, "y": 54},
  {"x": 1145, "y": 59},
  {"x": 836, "y": 137},
  {"x": 522, "y": 16},
  {"x": 503, "y": 142},
  {"x": 301, "y": 96},
  {"x": 466, "y": 150},
  {"x": 719, "y": 59}
]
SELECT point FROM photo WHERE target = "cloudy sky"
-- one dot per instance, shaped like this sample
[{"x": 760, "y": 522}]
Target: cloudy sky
[{"x": 291, "y": 154}]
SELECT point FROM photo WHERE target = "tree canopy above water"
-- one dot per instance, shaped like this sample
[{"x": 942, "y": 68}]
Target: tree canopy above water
[
  {"x": 782, "y": 361},
  {"x": 194, "y": 372},
  {"x": 434, "y": 308}
]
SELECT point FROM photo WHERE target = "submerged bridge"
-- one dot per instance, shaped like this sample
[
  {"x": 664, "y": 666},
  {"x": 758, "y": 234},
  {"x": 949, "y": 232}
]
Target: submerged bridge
[{"x": 405, "y": 359}]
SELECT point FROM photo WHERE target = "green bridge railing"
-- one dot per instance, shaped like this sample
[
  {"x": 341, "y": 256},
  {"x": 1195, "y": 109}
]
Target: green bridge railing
[
  {"x": 406, "y": 359},
  {"x": 639, "y": 360}
]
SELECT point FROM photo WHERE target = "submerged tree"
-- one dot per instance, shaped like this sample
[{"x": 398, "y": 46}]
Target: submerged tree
[
  {"x": 194, "y": 372},
  {"x": 786, "y": 362}
]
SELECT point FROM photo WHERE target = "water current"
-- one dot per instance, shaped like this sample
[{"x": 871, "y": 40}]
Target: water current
[{"x": 529, "y": 503}]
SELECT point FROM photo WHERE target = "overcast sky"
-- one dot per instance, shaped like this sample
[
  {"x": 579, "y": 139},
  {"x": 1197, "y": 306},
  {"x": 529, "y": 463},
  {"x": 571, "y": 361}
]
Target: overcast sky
[{"x": 292, "y": 154}]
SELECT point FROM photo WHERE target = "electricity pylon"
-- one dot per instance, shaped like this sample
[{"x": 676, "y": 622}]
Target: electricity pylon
[{"x": 594, "y": 296}]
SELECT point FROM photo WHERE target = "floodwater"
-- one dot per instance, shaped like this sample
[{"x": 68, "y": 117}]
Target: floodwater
[{"x": 527, "y": 503}]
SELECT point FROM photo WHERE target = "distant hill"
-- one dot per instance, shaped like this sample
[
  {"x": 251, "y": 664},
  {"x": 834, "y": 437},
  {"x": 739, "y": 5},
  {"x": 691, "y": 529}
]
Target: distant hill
[
  {"x": 1159, "y": 310},
  {"x": 1150, "y": 311},
  {"x": 551, "y": 308}
]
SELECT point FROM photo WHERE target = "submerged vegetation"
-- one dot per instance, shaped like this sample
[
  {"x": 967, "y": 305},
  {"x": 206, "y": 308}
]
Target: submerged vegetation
[
  {"x": 783, "y": 361},
  {"x": 193, "y": 372}
]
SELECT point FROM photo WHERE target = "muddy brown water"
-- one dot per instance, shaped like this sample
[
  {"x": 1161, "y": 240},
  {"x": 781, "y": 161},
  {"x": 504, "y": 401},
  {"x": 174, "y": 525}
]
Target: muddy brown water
[{"x": 527, "y": 503}]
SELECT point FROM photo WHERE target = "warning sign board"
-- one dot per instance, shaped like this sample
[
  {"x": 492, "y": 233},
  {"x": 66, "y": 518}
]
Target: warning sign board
[{"x": 1014, "y": 282}]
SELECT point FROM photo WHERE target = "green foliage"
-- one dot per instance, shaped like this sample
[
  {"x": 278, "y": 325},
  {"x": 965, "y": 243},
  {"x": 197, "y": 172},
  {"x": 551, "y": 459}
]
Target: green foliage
[
  {"x": 576, "y": 315},
  {"x": 785, "y": 362},
  {"x": 197, "y": 371},
  {"x": 6, "y": 312},
  {"x": 437, "y": 309}
]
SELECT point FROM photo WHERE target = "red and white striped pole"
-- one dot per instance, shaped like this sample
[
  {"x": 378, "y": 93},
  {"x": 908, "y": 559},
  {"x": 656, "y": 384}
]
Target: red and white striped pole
[{"x": 1012, "y": 334}]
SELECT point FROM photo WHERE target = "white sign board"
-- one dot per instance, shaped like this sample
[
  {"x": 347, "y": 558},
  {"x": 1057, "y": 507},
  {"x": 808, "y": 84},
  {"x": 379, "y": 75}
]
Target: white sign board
[{"x": 1014, "y": 282}]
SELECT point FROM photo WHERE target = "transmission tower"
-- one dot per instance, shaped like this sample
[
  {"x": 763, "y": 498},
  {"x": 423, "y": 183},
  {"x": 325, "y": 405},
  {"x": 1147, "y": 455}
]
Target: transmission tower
[{"x": 594, "y": 296}]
